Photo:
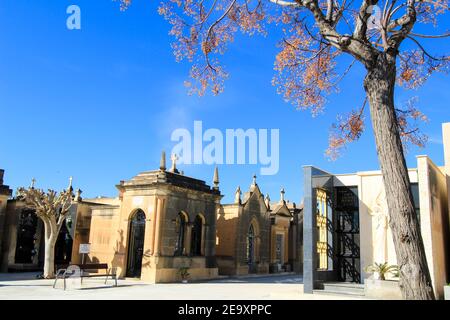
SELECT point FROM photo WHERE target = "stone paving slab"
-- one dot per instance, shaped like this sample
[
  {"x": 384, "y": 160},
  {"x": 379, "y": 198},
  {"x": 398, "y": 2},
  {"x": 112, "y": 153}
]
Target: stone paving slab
[{"x": 288, "y": 287}]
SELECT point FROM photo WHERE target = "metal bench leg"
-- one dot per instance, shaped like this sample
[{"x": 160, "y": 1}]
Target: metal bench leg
[
  {"x": 115, "y": 279},
  {"x": 64, "y": 283},
  {"x": 54, "y": 283},
  {"x": 106, "y": 279}
]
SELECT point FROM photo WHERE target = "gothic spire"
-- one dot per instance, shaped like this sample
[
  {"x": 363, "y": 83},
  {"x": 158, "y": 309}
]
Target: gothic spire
[
  {"x": 237, "y": 195},
  {"x": 267, "y": 201},
  {"x": 282, "y": 192},
  {"x": 216, "y": 179},
  {"x": 69, "y": 188},
  {"x": 254, "y": 184}
]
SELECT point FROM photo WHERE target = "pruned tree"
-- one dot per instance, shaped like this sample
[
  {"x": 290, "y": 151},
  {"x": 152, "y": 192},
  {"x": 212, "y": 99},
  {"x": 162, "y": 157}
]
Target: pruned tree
[
  {"x": 317, "y": 35},
  {"x": 52, "y": 208}
]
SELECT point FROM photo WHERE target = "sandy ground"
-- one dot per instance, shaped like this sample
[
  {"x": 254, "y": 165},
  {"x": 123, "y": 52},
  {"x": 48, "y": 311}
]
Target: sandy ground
[{"x": 286, "y": 287}]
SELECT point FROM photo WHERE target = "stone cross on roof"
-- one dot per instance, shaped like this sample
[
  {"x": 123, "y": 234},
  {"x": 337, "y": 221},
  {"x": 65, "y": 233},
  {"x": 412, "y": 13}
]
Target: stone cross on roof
[{"x": 174, "y": 159}]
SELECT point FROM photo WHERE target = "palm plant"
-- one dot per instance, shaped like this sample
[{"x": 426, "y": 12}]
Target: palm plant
[
  {"x": 383, "y": 269},
  {"x": 184, "y": 273}
]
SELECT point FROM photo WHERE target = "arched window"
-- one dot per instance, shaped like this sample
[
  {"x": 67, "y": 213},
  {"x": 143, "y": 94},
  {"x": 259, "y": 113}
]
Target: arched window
[
  {"x": 196, "y": 238},
  {"x": 251, "y": 244},
  {"x": 181, "y": 224}
]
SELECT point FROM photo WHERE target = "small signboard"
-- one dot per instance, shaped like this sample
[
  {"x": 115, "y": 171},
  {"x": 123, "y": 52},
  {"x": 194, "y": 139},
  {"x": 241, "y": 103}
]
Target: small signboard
[{"x": 85, "y": 248}]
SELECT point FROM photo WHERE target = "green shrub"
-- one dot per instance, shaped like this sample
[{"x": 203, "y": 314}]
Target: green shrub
[{"x": 383, "y": 269}]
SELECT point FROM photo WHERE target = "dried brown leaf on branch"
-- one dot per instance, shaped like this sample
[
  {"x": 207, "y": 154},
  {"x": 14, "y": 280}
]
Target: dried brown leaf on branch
[
  {"x": 347, "y": 129},
  {"x": 350, "y": 127},
  {"x": 416, "y": 67},
  {"x": 409, "y": 118}
]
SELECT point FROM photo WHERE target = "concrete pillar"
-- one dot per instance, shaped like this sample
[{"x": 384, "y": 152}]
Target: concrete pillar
[
  {"x": 158, "y": 230},
  {"x": 309, "y": 233},
  {"x": 446, "y": 141}
]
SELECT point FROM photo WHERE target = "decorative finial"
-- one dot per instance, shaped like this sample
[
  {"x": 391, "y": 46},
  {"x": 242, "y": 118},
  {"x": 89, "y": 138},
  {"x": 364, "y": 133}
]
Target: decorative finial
[
  {"x": 174, "y": 159},
  {"x": 70, "y": 184},
  {"x": 237, "y": 197},
  {"x": 216, "y": 179},
  {"x": 252, "y": 187},
  {"x": 162, "y": 163},
  {"x": 267, "y": 201},
  {"x": 33, "y": 182},
  {"x": 282, "y": 192},
  {"x": 78, "y": 195}
]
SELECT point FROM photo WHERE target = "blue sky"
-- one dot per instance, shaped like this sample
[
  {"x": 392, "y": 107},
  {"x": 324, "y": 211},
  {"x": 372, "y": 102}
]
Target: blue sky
[{"x": 100, "y": 103}]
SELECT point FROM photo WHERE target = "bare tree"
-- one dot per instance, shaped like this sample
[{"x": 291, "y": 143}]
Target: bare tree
[
  {"x": 52, "y": 208},
  {"x": 318, "y": 34}
]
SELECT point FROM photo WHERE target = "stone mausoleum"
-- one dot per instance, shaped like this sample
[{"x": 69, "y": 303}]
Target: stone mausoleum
[
  {"x": 346, "y": 222},
  {"x": 162, "y": 221},
  {"x": 257, "y": 236}
]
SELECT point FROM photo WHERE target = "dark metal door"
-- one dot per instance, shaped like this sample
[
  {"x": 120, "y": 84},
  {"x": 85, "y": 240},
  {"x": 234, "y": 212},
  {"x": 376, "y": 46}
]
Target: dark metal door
[
  {"x": 136, "y": 245},
  {"x": 347, "y": 234}
]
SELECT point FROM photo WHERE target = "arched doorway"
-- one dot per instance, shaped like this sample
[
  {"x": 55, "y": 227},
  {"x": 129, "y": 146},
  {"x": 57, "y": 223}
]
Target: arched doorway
[
  {"x": 251, "y": 244},
  {"x": 63, "y": 246},
  {"x": 197, "y": 233},
  {"x": 136, "y": 244}
]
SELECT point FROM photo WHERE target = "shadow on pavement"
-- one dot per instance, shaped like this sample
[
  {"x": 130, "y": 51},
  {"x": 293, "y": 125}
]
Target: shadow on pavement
[{"x": 264, "y": 279}]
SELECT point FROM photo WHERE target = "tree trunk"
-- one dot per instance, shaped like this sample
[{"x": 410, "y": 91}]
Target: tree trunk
[
  {"x": 415, "y": 281},
  {"x": 49, "y": 261}
]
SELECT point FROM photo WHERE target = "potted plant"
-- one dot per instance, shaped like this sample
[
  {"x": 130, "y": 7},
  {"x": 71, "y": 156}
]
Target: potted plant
[
  {"x": 379, "y": 287},
  {"x": 184, "y": 274},
  {"x": 382, "y": 269},
  {"x": 447, "y": 292}
]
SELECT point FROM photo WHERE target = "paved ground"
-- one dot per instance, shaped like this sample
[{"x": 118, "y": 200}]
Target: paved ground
[{"x": 25, "y": 286}]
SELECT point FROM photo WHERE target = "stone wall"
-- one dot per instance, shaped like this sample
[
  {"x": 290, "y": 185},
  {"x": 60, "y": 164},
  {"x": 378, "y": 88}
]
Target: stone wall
[
  {"x": 434, "y": 221},
  {"x": 5, "y": 193}
]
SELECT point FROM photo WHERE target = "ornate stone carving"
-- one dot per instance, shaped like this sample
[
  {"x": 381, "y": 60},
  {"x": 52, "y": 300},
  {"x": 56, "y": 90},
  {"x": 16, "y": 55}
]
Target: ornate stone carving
[{"x": 380, "y": 223}]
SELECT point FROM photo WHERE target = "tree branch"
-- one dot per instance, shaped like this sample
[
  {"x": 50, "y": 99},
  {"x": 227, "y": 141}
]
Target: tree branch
[
  {"x": 406, "y": 22},
  {"x": 425, "y": 51},
  {"x": 360, "y": 31}
]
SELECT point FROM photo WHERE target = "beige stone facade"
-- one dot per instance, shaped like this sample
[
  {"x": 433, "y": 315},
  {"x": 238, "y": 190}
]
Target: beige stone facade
[
  {"x": 5, "y": 193},
  {"x": 161, "y": 222},
  {"x": 22, "y": 233},
  {"x": 255, "y": 236}
]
